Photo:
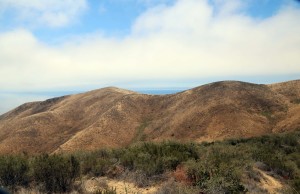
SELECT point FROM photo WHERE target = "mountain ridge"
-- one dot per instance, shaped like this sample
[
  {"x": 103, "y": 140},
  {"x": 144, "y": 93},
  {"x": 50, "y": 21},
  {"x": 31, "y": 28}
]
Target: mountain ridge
[{"x": 114, "y": 117}]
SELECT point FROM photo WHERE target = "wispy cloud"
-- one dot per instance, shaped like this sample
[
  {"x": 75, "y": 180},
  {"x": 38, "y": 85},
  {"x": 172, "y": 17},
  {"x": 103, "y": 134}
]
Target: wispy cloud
[{"x": 51, "y": 13}]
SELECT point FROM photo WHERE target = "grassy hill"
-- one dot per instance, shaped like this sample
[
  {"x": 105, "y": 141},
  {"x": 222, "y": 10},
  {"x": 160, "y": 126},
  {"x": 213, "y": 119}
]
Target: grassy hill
[{"x": 113, "y": 117}]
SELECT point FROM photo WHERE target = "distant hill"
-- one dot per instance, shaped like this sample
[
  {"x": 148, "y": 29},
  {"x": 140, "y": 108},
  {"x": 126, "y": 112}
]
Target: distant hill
[{"x": 113, "y": 117}]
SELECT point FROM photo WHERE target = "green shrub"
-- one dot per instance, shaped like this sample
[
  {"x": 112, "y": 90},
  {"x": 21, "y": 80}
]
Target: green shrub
[
  {"x": 216, "y": 167},
  {"x": 213, "y": 180},
  {"x": 218, "y": 170},
  {"x": 95, "y": 166},
  {"x": 154, "y": 158},
  {"x": 14, "y": 171},
  {"x": 224, "y": 184},
  {"x": 56, "y": 173},
  {"x": 96, "y": 163},
  {"x": 296, "y": 184}
]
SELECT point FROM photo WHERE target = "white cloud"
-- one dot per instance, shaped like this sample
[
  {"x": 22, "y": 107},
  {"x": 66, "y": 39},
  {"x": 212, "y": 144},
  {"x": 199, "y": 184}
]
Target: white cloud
[
  {"x": 183, "y": 41},
  {"x": 184, "y": 17},
  {"x": 52, "y": 13},
  {"x": 225, "y": 7}
]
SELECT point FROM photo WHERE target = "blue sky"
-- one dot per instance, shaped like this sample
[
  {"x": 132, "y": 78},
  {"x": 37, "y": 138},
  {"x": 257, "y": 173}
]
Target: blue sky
[
  {"x": 54, "y": 47},
  {"x": 114, "y": 18}
]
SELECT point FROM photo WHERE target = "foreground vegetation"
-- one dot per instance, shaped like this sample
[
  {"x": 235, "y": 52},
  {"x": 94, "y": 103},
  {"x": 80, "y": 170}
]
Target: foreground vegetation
[{"x": 218, "y": 167}]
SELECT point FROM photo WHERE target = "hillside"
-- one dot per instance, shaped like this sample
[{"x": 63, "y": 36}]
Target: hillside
[{"x": 113, "y": 117}]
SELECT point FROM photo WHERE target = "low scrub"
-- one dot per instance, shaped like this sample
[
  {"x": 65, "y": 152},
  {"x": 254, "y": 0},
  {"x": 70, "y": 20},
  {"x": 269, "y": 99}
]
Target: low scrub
[
  {"x": 154, "y": 159},
  {"x": 217, "y": 167},
  {"x": 14, "y": 171},
  {"x": 56, "y": 173}
]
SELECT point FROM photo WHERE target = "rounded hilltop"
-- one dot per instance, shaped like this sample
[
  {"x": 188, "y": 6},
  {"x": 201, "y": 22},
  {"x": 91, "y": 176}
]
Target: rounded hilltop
[{"x": 114, "y": 117}]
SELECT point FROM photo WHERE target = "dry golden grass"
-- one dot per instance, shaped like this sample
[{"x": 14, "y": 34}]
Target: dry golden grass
[{"x": 112, "y": 117}]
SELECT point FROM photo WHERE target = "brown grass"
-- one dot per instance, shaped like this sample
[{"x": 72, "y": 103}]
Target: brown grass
[{"x": 113, "y": 117}]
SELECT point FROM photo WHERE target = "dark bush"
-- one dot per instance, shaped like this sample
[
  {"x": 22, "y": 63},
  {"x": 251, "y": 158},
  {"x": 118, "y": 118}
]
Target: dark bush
[
  {"x": 217, "y": 170},
  {"x": 212, "y": 179},
  {"x": 56, "y": 173},
  {"x": 296, "y": 184},
  {"x": 95, "y": 166},
  {"x": 155, "y": 159},
  {"x": 14, "y": 171}
]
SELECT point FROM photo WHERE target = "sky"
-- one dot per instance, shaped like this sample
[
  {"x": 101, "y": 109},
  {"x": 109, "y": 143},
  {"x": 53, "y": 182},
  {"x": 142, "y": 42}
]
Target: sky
[{"x": 51, "y": 48}]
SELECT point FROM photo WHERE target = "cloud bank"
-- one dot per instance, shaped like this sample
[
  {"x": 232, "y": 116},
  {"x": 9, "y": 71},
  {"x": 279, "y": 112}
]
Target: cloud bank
[{"x": 190, "y": 39}]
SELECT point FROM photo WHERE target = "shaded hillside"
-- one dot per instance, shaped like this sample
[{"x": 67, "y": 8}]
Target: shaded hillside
[{"x": 113, "y": 117}]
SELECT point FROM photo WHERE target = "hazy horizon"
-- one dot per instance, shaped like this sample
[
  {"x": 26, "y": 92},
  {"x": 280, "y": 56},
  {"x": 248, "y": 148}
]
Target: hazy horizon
[
  {"x": 54, "y": 46},
  {"x": 44, "y": 95}
]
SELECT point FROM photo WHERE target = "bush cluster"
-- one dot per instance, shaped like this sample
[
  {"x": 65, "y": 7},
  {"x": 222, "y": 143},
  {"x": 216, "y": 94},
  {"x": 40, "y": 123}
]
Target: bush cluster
[
  {"x": 14, "y": 171},
  {"x": 154, "y": 159},
  {"x": 56, "y": 173},
  {"x": 217, "y": 167},
  {"x": 96, "y": 163},
  {"x": 281, "y": 153}
]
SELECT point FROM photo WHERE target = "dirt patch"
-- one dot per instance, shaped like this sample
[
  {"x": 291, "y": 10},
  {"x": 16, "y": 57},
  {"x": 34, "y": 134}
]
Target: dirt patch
[
  {"x": 126, "y": 187},
  {"x": 122, "y": 187},
  {"x": 269, "y": 183}
]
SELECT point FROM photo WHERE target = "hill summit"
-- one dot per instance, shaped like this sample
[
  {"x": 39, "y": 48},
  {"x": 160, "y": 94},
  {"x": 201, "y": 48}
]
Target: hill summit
[{"x": 113, "y": 117}]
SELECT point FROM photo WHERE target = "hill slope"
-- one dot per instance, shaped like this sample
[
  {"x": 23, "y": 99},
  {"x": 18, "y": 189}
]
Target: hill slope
[{"x": 112, "y": 117}]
